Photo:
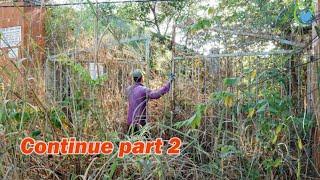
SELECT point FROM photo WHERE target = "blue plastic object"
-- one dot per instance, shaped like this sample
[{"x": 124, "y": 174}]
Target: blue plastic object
[{"x": 306, "y": 16}]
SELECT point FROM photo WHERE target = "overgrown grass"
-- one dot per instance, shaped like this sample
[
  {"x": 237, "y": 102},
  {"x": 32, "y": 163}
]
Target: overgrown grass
[{"x": 262, "y": 144}]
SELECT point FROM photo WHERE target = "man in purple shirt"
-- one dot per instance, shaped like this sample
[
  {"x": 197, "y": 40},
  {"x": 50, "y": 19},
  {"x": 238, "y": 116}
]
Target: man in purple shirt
[{"x": 138, "y": 96}]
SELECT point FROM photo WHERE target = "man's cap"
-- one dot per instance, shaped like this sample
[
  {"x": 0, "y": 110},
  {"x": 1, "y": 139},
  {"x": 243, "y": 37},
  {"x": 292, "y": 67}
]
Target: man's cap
[{"x": 137, "y": 73}]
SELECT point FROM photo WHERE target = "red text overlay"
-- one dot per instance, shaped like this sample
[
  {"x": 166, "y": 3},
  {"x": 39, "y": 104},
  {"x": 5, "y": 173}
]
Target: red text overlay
[{"x": 70, "y": 146}]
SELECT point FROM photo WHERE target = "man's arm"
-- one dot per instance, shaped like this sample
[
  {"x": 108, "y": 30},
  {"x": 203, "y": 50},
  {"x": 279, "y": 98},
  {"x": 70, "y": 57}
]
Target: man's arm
[{"x": 156, "y": 94}]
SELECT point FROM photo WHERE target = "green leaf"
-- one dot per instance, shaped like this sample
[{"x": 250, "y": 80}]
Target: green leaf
[
  {"x": 251, "y": 112},
  {"x": 270, "y": 163},
  {"x": 262, "y": 108},
  {"x": 195, "y": 120},
  {"x": 35, "y": 133},
  {"x": 231, "y": 81},
  {"x": 274, "y": 139},
  {"x": 228, "y": 101},
  {"x": 55, "y": 119},
  {"x": 201, "y": 24},
  {"x": 277, "y": 162},
  {"x": 279, "y": 128},
  {"x": 2, "y": 115},
  {"x": 273, "y": 110},
  {"x": 227, "y": 150},
  {"x": 210, "y": 10},
  {"x": 113, "y": 168},
  {"x": 300, "y": 145},
  {"x": 253, "y": 74}
]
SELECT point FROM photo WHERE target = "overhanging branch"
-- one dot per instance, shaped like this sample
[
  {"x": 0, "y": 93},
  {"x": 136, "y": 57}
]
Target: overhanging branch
[{"x": 258, "y": 35}]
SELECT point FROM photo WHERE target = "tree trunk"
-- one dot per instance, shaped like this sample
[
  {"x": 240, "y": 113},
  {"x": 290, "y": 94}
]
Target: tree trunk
[
  {"x": 294, "y": 83},
  {"x": 315, "y": 102}
]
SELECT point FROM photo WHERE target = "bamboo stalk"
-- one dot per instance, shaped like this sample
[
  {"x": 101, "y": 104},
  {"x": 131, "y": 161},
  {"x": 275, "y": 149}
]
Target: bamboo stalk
[{"x": 315, "y": 96}]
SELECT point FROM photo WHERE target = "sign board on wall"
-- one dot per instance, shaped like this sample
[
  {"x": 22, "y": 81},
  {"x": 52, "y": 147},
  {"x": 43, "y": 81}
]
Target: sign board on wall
[
  {"x": 10, "y": 36},
  {"x": 96, "y": 70}
]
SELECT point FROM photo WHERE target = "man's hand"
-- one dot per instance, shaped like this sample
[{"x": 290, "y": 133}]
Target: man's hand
[{"x": 171, "y": 77}]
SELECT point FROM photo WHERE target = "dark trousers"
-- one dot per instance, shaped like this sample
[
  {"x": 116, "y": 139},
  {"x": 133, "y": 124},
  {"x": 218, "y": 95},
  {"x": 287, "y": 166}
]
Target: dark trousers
[{"x": 135, "y": 128}]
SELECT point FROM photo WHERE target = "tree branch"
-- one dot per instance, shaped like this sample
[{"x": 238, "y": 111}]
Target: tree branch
[
  {"x": 156, "y": 23},
  {"x": 258, "y": 35}
]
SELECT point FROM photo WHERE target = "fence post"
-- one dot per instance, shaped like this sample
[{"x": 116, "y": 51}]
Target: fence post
[
  {"x": 147, "y": 58},
  {"x": 173, "y": 69}
]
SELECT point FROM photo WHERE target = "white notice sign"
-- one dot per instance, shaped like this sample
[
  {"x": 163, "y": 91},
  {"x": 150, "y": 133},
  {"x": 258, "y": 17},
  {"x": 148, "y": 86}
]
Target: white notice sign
[{"x": 10, "y": 37}]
